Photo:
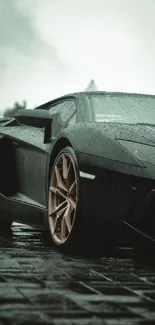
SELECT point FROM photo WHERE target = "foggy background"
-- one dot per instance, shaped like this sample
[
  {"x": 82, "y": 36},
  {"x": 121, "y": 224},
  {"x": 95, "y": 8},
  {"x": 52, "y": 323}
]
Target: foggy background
[{"x": 52, "y": 47}]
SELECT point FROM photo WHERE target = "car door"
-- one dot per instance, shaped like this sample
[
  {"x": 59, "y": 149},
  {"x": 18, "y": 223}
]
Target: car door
[{"x": 29, "y": 156}]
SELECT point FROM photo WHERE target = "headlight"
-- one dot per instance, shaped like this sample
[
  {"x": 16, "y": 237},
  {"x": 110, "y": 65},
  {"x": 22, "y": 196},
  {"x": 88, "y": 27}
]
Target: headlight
[{"x": 139, "y": 150}]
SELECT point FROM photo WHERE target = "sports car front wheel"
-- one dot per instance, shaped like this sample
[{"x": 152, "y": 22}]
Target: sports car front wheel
[{"x": 63, "y": 198}]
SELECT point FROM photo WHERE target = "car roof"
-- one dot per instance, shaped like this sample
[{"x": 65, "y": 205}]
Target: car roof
[{"x": 88, "y": 93}]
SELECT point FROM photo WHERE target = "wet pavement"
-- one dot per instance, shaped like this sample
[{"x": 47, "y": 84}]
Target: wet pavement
[{"x": 40, "y": 285}]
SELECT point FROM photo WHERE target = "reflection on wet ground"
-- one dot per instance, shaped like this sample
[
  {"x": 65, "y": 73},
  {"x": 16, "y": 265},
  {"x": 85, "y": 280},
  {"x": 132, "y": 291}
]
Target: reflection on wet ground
[{"x": 40, "y": 285}]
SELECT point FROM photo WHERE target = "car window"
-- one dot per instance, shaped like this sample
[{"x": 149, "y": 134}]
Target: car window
[
  {"x": 62, "y": 112},
  {"x": 65, "y": 109},
  {"x": 55, "y": 109},
  {"x": 123, "y": 108}
]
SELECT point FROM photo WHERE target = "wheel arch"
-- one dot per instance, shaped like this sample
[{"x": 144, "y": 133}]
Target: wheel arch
[{"x": 59, "y": 145}]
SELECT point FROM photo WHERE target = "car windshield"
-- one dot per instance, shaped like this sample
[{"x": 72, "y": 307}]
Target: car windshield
[{"x": 123, "y": 108}]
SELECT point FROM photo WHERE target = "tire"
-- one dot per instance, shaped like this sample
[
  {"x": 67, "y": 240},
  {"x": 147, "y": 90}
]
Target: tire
[
  {"x": 76, "y": 232},
  {"x": 65, "y": 225}
]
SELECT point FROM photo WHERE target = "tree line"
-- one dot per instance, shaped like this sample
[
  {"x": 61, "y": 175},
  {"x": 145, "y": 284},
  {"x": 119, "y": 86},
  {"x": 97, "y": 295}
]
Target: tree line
[{"x": 11, "y": 111}]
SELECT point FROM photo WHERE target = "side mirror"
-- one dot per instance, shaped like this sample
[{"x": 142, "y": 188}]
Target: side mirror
[{"x": 39, "y": 118}]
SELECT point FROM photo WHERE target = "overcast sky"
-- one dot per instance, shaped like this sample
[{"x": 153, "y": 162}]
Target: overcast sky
[{"x": 52, "y": 47}]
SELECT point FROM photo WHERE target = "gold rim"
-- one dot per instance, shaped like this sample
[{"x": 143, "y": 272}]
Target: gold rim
[{"x": 62, "y": 198}]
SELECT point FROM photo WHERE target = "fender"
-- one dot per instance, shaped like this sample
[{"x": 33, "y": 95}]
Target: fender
[{"x": 94, "y": 142}]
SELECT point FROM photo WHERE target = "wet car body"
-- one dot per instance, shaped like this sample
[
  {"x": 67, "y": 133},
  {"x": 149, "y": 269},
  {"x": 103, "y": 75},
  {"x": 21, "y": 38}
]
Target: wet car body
[{"x": 116, "y": 167}]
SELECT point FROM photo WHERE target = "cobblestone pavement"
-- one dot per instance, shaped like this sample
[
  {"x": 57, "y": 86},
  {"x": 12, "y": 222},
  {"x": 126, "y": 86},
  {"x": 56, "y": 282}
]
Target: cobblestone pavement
[{"x": 39, "y": 285}]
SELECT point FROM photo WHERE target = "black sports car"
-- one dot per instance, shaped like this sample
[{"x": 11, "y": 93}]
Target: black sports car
[{"x": 82, "y": 166}]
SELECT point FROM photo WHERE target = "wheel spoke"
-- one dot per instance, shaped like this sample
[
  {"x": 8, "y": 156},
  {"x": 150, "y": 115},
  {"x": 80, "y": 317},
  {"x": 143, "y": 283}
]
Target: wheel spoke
[
  {"x": 63, "y": 230},
  {"x": 72, "y": 203},
  {"x": 57, "y": 191},
  {"x": 60, "y": 182},
  {"x": 58, "y": 208},
  {"x": 64, "y": 167},
  {"x": 67, "y": 218},
  {"x": 69, "y": 166},
  {"x": 58, "y": 215},
  {"x": 72, "y": 189}
]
